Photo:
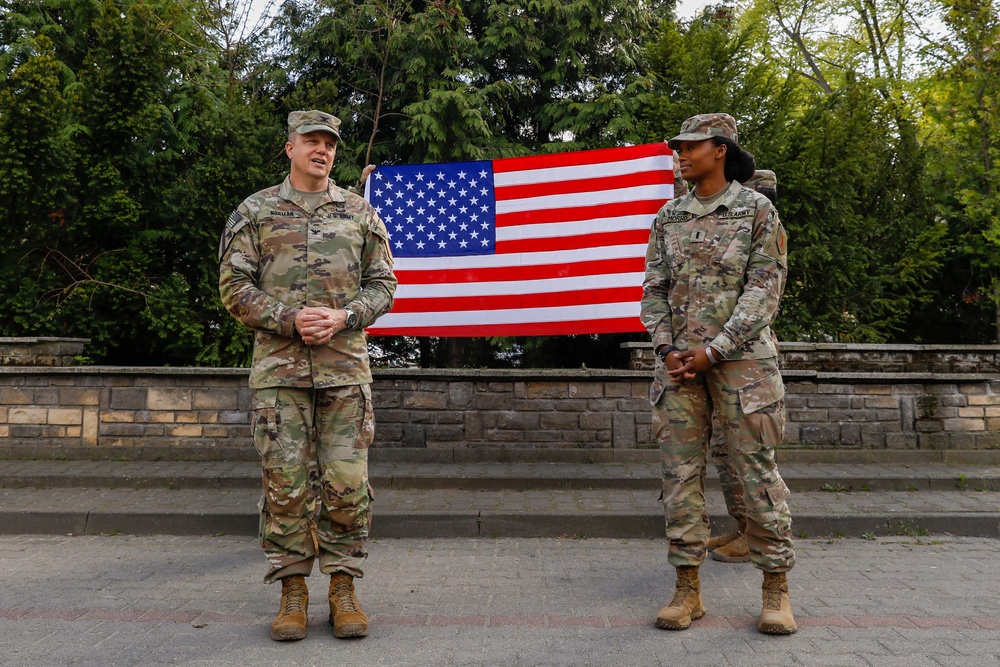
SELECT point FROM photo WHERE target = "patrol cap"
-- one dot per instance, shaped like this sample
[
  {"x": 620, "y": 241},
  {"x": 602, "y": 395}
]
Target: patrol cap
[
  {"x": 763, "y": 178},
  {"x": 705, "y": 126},
  {"x": 765, "y": 182},
  {"x": 304, "y": 122}
]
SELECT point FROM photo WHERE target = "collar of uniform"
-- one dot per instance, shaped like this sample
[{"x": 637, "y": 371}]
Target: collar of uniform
[
  {"x": 286, "y": 191},
  {"x": 690, "y": 203}
]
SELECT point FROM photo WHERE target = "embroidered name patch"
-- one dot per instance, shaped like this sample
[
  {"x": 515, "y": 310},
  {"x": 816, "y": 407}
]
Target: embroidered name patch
[{"x": 736, "y": 213}]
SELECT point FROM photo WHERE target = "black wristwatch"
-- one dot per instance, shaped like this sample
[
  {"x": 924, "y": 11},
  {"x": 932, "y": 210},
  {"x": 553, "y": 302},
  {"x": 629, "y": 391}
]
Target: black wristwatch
[
  {"x": 664, "y": 351},
  {"x": 352, "y": 318}
]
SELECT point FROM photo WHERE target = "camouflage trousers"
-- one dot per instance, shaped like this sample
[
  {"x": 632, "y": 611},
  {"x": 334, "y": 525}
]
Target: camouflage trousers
[
  {"x": 748, "y": 399},
  {"x": 313, "y": 445},
  {"x": 729, "y": 479}
]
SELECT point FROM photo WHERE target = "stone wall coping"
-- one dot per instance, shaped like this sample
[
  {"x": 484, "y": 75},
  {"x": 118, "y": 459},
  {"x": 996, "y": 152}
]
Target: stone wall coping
[
  {"x": 854, "y": 347},
  {"x": 24, "y": 340},
  {"x": 507, "y": 374}
]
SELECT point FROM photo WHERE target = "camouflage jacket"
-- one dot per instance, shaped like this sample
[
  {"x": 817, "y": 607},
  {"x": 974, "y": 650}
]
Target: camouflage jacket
[
  {"x": 277, "y": 256},
  {"x": 715, "y": 277}
]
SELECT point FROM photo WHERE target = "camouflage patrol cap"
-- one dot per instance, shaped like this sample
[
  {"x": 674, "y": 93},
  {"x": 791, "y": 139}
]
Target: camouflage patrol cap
[
  {"x": 705, "y": 126},
  {"x": 763, "y": 178},
  {"x": 765, "y": 182},
  {"x": 304, "y": 122}
]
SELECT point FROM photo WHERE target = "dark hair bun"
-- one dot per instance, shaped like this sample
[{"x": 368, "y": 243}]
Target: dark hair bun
[{"x": 740, "y": 164}]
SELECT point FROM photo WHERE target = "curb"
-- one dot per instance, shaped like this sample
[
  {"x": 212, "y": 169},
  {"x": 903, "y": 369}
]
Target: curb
[{"x": 474, "y": 524}]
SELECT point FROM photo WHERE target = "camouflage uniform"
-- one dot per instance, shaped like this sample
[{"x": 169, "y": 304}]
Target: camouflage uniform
[
  {"x": 715, "y": 277},
  {"x": 764, "y": 182},
  {"x": 312, "y": 415}
]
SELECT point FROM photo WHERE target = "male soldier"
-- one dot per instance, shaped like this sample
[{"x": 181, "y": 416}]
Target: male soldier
[
  {"x": 307, "y": 266},
  {"x": 732, "y": 547},
  {"x": 715, "y": 273}
]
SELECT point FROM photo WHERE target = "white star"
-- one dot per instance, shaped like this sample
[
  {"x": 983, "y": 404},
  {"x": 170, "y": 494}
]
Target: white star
[
  {"x": 409, "y": 202},
  {"x": 399, "y": 244},
  {"x": 420, "y": 177},
  {"x": 485, "y": 225},
  {"x": 474, "y": 201},
  {"x": 451, "y": 184},
  {"x": 431, "y": 218},
  {"x": 440, "y": 244},
  {"x": 452, "y": 201},
  {"x": 388, "y": 219},
  {"x": 399, "y": 228},
  {"x": 484, "y": 208},
  {"x": 399, "y": 211},
  {"x": 486, "y": 242},
  {"x": 441, "y": 194},
  {"x": 461, "y": 174},
  {"x": 432, "y": 236},
  {"x": 462, "y": 192},
  {"x": 409, "y": 237},
  {"x": 378, "y": 175},
  {"x": 463, "y": 243},
  {"x": 452, "y": 236},
  {"x": 420, "y": 245},
  {"x": 440, "y": 175},
  {"x": 441, "y": 210},
  {"x": 420, "y": 195},
  {"x": 463, "y": 226},
  {"x": 472, "y": 183},
  {"x": 378, "y": 193},
  {"x": 474, "y": 235},
  {"x": 409, "y": 185},
  {"x": 420, "y": 211},
  {"x": 443, "y": 227},
  {"x": 482, "y": 191},
  {"x": 474, "y": 217},
  {"x": 451, "y": 218},
  {"x": 462, "y": 210},
  {"x": 432, "y": 202},
  {"x": 420, "y": 228},
  {"x": 399, "y": 177},
  {"x": 482, "y": 174},
  {"x": 409, "y": 219}
]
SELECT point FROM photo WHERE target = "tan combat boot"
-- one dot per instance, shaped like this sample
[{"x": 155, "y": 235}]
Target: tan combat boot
[
  {"x": 346, "y": 616},
  {"x": 686, "y": 605},
  {"x": 723, "y": 540},
  {"x": 736, "y": 551},
  {"x": 292, "y": 618},
  {"x": 776, "y": 615}
]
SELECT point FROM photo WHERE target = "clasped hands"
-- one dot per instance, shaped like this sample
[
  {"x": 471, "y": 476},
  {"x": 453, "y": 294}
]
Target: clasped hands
[
  {"x": 686, "y": 364},
  {"x": 318, "y": 325}
]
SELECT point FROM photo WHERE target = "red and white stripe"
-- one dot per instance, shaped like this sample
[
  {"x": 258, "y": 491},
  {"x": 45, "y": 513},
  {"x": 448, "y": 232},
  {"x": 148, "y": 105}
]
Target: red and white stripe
[{"x": 571, "y": 235}]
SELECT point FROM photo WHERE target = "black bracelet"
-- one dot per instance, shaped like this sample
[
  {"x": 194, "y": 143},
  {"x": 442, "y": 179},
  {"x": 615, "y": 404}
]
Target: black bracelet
[{"x": 664, "y": 351}]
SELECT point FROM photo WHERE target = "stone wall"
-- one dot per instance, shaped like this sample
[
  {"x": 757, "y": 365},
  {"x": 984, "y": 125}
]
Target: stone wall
[
  {"x": 598, "y": 415},
  {"x": 41, "y": 351},
  {"x": 865, "y": 358}
]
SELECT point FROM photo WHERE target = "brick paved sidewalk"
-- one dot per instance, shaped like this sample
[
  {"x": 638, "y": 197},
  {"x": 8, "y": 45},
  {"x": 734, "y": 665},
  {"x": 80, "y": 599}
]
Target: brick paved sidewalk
[{"x": 124, "y": 601}]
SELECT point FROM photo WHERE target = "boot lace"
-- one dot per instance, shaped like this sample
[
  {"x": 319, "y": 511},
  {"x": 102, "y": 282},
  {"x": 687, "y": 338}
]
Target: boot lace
[
  {"x": 342, "y": 591},
  {"x": 294, "y": 598},
  {"x": 684, "y": 587},
  {"x": 773, "y": 590}
]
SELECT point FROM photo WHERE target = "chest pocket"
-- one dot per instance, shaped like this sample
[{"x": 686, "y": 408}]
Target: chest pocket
[{"x": 732, "y": 252}]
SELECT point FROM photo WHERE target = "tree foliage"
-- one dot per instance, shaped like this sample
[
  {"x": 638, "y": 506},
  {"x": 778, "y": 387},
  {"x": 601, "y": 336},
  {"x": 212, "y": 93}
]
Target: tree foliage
[{"x": 130, "y": 129}]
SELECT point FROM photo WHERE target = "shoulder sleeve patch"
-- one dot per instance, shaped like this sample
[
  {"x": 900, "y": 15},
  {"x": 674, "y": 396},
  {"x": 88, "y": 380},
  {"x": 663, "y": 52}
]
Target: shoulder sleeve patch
[{"x": 234, "y": 224}]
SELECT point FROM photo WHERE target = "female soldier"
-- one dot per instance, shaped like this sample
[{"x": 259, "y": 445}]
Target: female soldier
[{"x": 715, "y": 271}]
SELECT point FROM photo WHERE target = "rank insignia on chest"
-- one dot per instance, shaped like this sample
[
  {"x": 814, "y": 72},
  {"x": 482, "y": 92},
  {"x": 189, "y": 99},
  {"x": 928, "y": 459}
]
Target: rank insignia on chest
[{"x": 698, "y": 236}]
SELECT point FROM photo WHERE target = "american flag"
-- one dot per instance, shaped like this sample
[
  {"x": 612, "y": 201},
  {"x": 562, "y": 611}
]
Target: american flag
[{"x": 532, "y": 246}]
